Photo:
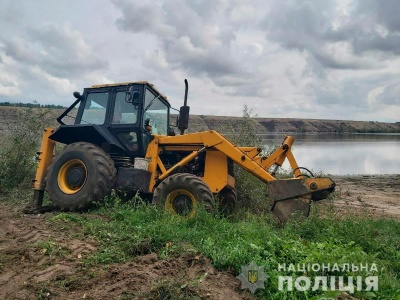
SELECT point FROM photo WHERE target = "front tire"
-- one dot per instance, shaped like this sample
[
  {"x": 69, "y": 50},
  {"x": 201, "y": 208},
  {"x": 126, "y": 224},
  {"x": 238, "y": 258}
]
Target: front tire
[
  {"x": 79, "y": 175},
  {"x": 182, "y": 193}
]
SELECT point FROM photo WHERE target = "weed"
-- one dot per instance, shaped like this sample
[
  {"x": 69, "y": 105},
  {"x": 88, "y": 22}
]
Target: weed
[
  {"x": 17, "y": 163},
  {"x": 44, "y": 292},
  {"x": 50, "y": 248},
  {"x": 168, "y": 290},
  {"x": 69, "y": 282}
]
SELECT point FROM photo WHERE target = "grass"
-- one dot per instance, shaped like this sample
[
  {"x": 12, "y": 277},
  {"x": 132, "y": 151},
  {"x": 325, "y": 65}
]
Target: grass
[
  {"x": 50, "y": 248},
  {"x": 134, "y": 229},
  {"x": 19, "y": 146}
]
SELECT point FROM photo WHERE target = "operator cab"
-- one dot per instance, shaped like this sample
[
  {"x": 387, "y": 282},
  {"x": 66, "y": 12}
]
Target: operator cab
[{"x": 113, "y": 116}]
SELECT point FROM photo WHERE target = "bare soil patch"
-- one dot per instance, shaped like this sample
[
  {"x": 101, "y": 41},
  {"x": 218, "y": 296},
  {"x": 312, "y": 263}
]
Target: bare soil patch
[
  {"x": 38, "y": 261},
  {"x": 378, "y": 195}
]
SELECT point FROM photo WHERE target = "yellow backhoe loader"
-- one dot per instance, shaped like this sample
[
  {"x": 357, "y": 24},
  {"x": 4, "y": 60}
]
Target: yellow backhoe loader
[{"x": 121, "y": 139}]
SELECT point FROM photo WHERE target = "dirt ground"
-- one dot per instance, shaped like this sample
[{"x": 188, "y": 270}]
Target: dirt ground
[
  {"x": 378, "y": 195},
  {"x": 29, "y": 271}
]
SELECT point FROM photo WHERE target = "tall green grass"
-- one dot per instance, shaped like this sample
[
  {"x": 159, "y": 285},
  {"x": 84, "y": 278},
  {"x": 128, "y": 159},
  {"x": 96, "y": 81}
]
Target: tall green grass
[
  {"x": 133, "y": 229},
  {"x": 18, "y": 149}
]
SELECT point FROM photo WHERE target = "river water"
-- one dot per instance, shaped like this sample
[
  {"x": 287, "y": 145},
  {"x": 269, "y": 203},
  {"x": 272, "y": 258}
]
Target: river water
[{"x": 343, "y": 154}]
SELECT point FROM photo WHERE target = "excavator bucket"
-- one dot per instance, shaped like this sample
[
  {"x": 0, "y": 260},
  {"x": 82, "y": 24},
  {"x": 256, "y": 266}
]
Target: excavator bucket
[{"x": 293, "y": 196}]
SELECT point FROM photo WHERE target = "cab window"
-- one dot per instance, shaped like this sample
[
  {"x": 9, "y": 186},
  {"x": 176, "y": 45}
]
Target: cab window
[
  {"x": 157, "y": 112},
  {"x": 95, "y": 109},
  {"x": 124, "y": 112}
]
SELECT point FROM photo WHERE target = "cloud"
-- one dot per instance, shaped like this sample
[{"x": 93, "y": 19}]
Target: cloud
[
  {"x": 321, "y": 59},
  {"x": 336, "y": 37},
  {"x": 47, "y": 58},
  {"x": 56, "y": 48},
  {"x": 358, "y": 95},
  {"x": 390, "y": 94},
  {"x": 188, "y": 37},
  {"x": 8, "y": 86},
  {"x": 142, "y": 18}
]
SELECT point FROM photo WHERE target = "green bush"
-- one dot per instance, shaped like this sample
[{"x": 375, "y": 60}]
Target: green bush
[
  {"x": 252, "y": 192},
  {"x": 17, "y": 154}
]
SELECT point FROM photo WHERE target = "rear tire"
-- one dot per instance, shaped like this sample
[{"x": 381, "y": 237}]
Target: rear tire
[
  {"x": 79, "y": 175},
  {"x": 182, "y": 193},
  {"x": 227, "y": 202}
]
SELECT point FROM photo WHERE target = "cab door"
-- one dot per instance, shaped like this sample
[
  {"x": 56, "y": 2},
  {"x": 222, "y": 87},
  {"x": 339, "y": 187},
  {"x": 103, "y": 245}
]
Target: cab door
[{"x": 125, "y": 119}]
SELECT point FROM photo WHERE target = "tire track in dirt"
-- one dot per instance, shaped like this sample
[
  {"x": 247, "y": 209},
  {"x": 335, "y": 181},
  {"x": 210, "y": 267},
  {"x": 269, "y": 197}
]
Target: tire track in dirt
[
  {"x": 32, "y": 255},
  {"x": 38, "y": 261}
]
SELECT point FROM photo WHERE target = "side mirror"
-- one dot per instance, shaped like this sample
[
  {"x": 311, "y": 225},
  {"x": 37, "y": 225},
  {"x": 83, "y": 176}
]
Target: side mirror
[
  {"x": 77, "y": 95},
  {"x": 132, "y": 95}
]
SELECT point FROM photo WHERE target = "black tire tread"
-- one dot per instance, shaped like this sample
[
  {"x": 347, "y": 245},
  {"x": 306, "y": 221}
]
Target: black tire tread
[
  {"x": 206, "y": 197},
  {"x": 106, "y": 176}
]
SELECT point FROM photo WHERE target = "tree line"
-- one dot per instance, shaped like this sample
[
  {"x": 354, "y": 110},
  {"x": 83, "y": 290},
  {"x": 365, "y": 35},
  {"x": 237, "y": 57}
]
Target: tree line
[{"x": 31, "y": 105}]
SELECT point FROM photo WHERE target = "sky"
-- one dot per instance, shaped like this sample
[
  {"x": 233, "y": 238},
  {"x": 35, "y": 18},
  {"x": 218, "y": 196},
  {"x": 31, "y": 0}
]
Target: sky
[{"x": 332, "y": 59}]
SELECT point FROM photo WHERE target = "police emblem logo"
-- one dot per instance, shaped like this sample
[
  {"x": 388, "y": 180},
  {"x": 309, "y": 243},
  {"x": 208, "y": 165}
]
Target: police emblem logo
[{"x": 252, "y": 277}]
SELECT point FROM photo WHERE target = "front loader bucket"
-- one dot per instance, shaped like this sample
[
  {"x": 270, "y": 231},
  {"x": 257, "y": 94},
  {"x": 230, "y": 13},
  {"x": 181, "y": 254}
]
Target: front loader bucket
[
  {"x": 293, "y": 196},
  {"x": 291, "y": 208}
]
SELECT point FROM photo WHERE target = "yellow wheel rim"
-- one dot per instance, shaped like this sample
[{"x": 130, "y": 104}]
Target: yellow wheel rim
[
  {"x": 72, "y": 176},
  {"x": 181, "y": 202}
]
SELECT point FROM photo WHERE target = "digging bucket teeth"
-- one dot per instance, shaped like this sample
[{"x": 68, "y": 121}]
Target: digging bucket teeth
[{"x": 293, "y": 196}]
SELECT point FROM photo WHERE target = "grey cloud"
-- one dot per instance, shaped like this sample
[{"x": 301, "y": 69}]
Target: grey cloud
[
  {"x": 231, "y": 80},
  {"x": 212, "y": 62},
  {"x": 376, "y": 42},
  {"x": 57, "y": 49},
  {"x": 330, "y": 62},
  {"x": 373, "y": 26},
  {"x": 206, "y": 9},
  {"x": 67, "y": 51},
  {"x": 184, "y": 33},
  {"x": 353, "y": 94},
  {"x": 248, "y": 90},
  {"x": 11, "y": 13},
  {"x": 19, "y": 50},
  {"x": 5, "y": 82},
  {"x": 390, "y": 94},
  {"x": 312, "y": 26},
  {"x": 300, "y": 24},
  {"x": 383, "y": 11},
  {"x": 306, "y": 26},
  {"x": 292, "y": 78},
  {"x": 141, "y": 18},
  {"x": 286, "y": 58}
]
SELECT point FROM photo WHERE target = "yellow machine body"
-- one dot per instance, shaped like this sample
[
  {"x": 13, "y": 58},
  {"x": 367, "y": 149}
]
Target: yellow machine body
[{"x": 162, "y": 180}]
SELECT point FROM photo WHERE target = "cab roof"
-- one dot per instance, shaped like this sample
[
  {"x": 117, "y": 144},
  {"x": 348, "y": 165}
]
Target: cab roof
[{"x": 130, "y": 83}]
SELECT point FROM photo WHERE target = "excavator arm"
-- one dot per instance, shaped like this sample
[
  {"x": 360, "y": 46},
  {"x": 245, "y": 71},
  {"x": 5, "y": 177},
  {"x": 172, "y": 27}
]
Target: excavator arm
[{"x": 289, "y": 195}]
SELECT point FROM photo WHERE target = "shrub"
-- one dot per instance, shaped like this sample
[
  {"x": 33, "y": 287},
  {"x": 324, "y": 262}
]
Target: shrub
[
  {"x": 17, "y": 155},
  {"x": 252, "y": 192}
]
